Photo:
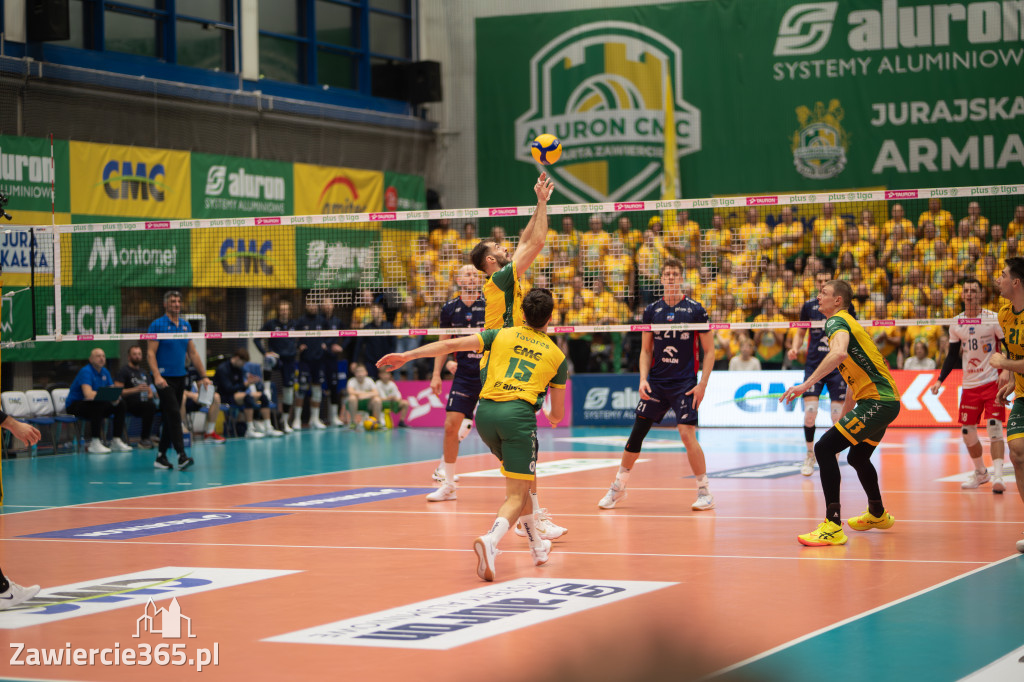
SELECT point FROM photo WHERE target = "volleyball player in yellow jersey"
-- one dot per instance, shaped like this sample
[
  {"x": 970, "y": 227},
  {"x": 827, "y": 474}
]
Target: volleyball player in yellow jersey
[
  {"x": 503, "y": 297},
  {"x": 872, "y": 403},
  {"x": 1011, "y": 319},
  {"x": 502, "y": 290},
  {"x": 519, "y": 365}
]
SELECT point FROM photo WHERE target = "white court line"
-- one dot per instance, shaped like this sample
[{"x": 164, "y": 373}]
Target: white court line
[
  {"x": 685, "y": 514},
  {"x": 560, "y": 551},
  {"x": 851, "y": 619}
]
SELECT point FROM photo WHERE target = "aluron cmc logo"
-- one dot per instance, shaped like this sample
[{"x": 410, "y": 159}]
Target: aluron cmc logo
[
  {"x": 600, "y": 88},
  {"x": 805, "y": 28},
  {"x": 121, "y": 181},
  {"x": 238, "y": 256}
]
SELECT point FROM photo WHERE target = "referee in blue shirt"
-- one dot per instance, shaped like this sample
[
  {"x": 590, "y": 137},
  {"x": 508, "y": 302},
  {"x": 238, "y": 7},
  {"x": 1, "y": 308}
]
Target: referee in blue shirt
[{"x": 167, "y": 363}]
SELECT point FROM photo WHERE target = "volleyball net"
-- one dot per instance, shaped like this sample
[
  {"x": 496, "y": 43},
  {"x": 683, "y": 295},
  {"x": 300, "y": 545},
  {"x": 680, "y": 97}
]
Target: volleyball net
[{"x": 750, "y": 260}]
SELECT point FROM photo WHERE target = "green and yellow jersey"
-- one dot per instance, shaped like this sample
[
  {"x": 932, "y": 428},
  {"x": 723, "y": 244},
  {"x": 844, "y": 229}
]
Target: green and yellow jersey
[
  {"x": 1012, "y": 323},
  {"x": 864, "y": 369},
  {"x": 520, "y": 363},
  {"x": 503, "y": 296}
]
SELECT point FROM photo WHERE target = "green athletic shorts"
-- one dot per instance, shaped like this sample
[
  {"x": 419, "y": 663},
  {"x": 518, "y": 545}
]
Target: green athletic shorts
[
  {"x": 868, "y": 420},
  {"x": 510, "y": 430},
  {"x": 393, "y": 405},
  {"x": 1015, "y": 425}
]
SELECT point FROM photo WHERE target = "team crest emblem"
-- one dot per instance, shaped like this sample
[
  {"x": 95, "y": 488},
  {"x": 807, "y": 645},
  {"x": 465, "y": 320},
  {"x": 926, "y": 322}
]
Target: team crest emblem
[
  {"x": 601, "y": 90},
  {"x": 820, "y": 144},
  {"x": 671, "y": 316}
]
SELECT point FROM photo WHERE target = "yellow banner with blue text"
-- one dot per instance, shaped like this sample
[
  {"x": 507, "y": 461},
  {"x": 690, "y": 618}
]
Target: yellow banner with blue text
[
  {"x": 326, "y": 189},
  {"x": 257, "y": 257},
  {"x": 135, "y": 182}
]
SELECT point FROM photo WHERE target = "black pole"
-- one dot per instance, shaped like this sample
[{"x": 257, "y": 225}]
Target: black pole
[{"x": 32, "y": 277}]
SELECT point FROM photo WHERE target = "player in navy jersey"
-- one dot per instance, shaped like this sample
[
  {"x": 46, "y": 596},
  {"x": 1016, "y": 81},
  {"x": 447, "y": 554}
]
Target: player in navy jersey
[
  {"x": 465, "y": 311},
  {"x": 282, "y": 351},
  {"x": 333, "y": 381},
  {"x": 817, "y": 349},
  {"x": 668, "y": 380},
  {"x": 311, "y": 366}
]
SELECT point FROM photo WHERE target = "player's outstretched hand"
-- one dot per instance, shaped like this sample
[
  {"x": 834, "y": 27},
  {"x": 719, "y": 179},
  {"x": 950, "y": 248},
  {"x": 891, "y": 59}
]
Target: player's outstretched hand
[
  {"x": 544, "y": 187},
  {"x": 24, "y": 432},
  {"x": 645, "y": 389},
  {"x": 936, "y": 387},
  {"x": 391, "y": 361},
  {"x": 793, "y": 393},
  {"x": 792, "y": 354},
  {"x": 698, "y": 395}
]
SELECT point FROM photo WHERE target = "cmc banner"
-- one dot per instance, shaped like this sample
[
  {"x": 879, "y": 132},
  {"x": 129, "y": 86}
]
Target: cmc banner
[
  {"x": 228, "y": 187},
  {"x": 427, "y": 409},
  {"x": 136, "y": 182},
  {"x": 752, "y": 399},
  {"x": 261, "y": 256},
  {"x": 325, "y": 189},
  {"x": 826, "y": 95}
]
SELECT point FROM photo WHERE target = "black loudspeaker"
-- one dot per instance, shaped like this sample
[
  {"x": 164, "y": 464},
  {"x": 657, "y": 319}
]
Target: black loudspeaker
[
  {"x": 424, "y": 82},
  {"x": 47, "y": 20},
  {"x": 415, "y": 82}
]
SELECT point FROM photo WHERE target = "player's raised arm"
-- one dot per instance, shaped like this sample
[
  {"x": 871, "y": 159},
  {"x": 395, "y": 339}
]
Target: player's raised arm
[
  {"x": 393, "y": 361},
  {"x": 531, "y": 241}
]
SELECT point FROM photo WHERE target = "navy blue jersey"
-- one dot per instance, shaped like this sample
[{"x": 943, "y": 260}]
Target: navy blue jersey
[
  {"x": 314, "y": 346},
  {"x": 285, "y": 347},
  {"x": 456, "y": 313},
  {"x": 675, "y": 352},
  {"x": 817, "y": 342}
]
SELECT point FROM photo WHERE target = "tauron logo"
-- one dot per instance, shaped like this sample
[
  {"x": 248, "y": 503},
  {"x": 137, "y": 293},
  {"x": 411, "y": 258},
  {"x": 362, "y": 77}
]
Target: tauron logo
[
  {"x": 805, "y": 28},
  {"x": 601, "y": 89}
]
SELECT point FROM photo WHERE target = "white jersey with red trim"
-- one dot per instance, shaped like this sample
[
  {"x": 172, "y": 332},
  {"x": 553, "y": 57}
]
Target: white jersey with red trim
[{"x": 977, "y": 343}]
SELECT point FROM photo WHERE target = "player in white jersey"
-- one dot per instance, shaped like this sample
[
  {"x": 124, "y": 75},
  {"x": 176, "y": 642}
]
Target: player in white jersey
[{"x": 973, "y": 345}]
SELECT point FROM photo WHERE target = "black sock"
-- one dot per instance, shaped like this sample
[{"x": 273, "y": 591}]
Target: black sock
[
  {"x": 876, "y": 508},
  {"x": 833, "y": 514},
  {"x": 809, "y": 434}
]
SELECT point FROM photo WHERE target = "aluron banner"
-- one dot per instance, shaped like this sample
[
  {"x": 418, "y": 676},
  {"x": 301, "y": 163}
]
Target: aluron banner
[
  {"x": 820, "y": 96},
  {"x": 26, "y": 175},
  {"x": 228, "y": 186}
]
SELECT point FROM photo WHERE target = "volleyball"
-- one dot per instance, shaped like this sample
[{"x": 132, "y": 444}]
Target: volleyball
[
  {"x": 546, "y": 149},
  {"x": 371, "y": 424}
]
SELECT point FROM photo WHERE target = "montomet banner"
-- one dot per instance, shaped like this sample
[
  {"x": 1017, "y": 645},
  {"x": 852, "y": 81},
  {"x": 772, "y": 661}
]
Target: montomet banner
[{"x": 767, "y": 95}]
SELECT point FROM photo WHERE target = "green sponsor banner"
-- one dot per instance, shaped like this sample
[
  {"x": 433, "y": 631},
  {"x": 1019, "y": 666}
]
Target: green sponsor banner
[
  {"x": 404, "y": 192},
  {"x": 335, "y": 258},
  {"x": 767, "y": 95},
  {"x": 152, "y": 258},
  {"x": 84, "y": 310},
  {"x": 229, "y": 186},
  {"x": 25, "y": 174}
]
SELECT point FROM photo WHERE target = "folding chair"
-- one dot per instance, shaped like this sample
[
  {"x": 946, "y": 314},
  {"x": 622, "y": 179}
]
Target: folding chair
[
  {"x": 15, "y": 404},
  {"x": 60, "y": 399},
  {"x": 41, "y": 404}
]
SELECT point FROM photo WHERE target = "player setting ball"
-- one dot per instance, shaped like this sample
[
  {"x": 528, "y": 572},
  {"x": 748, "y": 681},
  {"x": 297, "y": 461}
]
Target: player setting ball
[{"x": 546, "y": 149}]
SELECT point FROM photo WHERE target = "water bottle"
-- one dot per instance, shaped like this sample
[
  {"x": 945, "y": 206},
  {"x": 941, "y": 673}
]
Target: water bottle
[{"x": 387, "y": 419}]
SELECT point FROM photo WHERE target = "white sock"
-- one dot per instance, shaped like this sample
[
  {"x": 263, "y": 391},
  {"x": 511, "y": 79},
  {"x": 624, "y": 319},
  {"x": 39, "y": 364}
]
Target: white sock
[
  {"x": 497, "y": 531},
  {"x": 534, "y": 502},
  {"x": 979, "y": 464},
  {"x": 702, "y": 481},
  {"x": 449, "y": 472},
  {"x": 621, "y": 478},
  {"x": 531, "y": 531},
  {"x": 211, "y": 425},
  {"x": 997, "y": 467}
]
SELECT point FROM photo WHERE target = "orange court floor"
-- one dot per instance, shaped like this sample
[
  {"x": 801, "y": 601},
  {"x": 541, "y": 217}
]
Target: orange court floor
[{"x": 315, "y": 556}]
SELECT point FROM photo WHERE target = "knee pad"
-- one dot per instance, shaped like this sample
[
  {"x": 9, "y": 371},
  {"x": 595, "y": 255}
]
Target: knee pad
[
  {"x": 970, "y": 434},
  {"x": 641, "y": 427},
  {"x": 810, "y": 414},
  {"x": 836, "y": 411},
  {"x": 287, "y": 395},
  {"x": 316, "y": 393},
  {"x": 995, "y": 429}
]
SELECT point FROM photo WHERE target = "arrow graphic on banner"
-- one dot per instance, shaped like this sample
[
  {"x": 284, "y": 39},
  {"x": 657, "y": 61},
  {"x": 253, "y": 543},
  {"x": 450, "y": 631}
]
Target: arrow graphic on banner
[{"x": 931, "y": 402}]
